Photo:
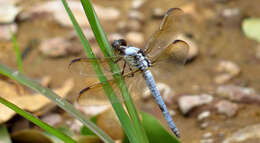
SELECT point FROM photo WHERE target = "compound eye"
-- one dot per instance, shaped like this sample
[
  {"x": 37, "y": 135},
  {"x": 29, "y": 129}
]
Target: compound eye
[
  {"x": 115, "y": 44},
  {"x": 122, "y": 42}
]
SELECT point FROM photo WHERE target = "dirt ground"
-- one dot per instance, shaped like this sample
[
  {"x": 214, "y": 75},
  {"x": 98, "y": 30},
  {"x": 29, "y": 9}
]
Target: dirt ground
[{"x": 218, "y": 38}]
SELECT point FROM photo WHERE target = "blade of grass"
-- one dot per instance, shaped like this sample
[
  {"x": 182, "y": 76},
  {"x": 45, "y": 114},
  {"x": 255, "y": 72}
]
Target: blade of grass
[
  {"x": 62, "y": 103},
  {"x": 107, "y": 51},
  {"x": 123, "y": 117},
  {"x": 37, "y": 121},
  {"x": 17, "y": 52},
  {"x": 4, "y": 135}
]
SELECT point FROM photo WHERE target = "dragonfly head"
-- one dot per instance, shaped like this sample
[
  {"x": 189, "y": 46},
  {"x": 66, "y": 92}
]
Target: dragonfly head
[{"x": 119, "y": 45}]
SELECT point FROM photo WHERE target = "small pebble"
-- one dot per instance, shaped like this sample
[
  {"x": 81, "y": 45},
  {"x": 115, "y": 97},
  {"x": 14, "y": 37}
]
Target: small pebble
[
  {"x": 223, "y": 78},
  {"x": 5, "y": 33},
  {"x": 227, "y": 108},
  {"x": 204, "y": 125},
  {"x": 227, "y": 70},
  {"x": 231, "y": 16},
  {"x": 136, "y": 4},
  {"x": 158, "y": 13},
  {"x": 228, "y": 66},
  {"x": 188, "y": 102},
  {"x": 135, "y": 38},
  {"x": 75, "y": 125},
  {"x": 230, "y": 12},
  {"x": 207, "y": 135},
  {"x": 203, "y": 115},
  {"x": 52, "y": 119},
  {"x": 8, "y": 12}
]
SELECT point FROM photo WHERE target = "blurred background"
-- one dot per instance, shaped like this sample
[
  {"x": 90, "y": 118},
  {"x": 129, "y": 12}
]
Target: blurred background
[{"x": 213, "y": 98}]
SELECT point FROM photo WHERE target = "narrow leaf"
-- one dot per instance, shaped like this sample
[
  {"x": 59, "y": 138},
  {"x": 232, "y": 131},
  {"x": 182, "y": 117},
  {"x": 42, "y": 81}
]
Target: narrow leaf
[
  {"x": 4, "y": 135},
  {"x": 17, "y": 52},
  {"x": 155, "y": 131}
]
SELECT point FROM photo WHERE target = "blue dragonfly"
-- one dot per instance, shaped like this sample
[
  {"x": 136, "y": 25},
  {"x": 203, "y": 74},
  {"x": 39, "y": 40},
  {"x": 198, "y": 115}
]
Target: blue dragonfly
[{"x": 163, "y": 44}]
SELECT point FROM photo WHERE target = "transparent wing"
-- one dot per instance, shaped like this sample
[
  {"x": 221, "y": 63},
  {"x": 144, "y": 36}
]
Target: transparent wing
[
  {"x": 95, "y": 95},
  {"x": 176, "y": 52},
  {"x": 83, "y": 66},
  {"x": 166, "y": 35}
]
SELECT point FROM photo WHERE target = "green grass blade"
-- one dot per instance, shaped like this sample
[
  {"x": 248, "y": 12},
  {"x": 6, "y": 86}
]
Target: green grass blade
[
  {"x": 37, "y": 121},
  {"x": 4, "y": 135},
  {"x": 123, "y": 117},
  {"x": 17, "y": 52},
  {"x": 62, "y": 103},
  {"x": 107, "y": 51}
]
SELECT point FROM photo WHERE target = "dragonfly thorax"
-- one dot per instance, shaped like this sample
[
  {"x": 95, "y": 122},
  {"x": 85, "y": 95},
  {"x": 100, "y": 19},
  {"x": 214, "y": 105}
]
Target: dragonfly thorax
[{"x": 135, "y": 58}]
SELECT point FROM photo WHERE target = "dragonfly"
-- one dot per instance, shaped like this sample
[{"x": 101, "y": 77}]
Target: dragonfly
[{"x": 162, "y": 45}]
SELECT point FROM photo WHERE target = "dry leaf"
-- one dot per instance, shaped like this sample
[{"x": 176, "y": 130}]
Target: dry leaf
[{"x": 30, "y": 102}]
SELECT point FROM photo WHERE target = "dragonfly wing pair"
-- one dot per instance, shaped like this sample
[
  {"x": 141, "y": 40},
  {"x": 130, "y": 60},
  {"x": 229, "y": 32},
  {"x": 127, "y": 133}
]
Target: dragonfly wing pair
[{"x": 164, "y": 44}]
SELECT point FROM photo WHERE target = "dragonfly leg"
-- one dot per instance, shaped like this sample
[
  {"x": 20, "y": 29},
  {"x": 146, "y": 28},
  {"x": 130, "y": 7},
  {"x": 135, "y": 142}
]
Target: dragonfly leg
[
  {"x": 124, "y": 68},
  {"x": 132, "y": 73},
  {"x": 117, "y": 60}
]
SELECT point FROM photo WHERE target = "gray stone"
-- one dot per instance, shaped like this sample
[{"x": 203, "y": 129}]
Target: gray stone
[
  {"x": 227, "y": 108},
  {"x": 247, "y": 134},
  {"x": 227, "y": 70},
  {"x": 56, "y": 9},
  {"x": 188, "y": 102},
  {"x": 57, "y": 47},
  {"x": 238, "y": 94}
]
